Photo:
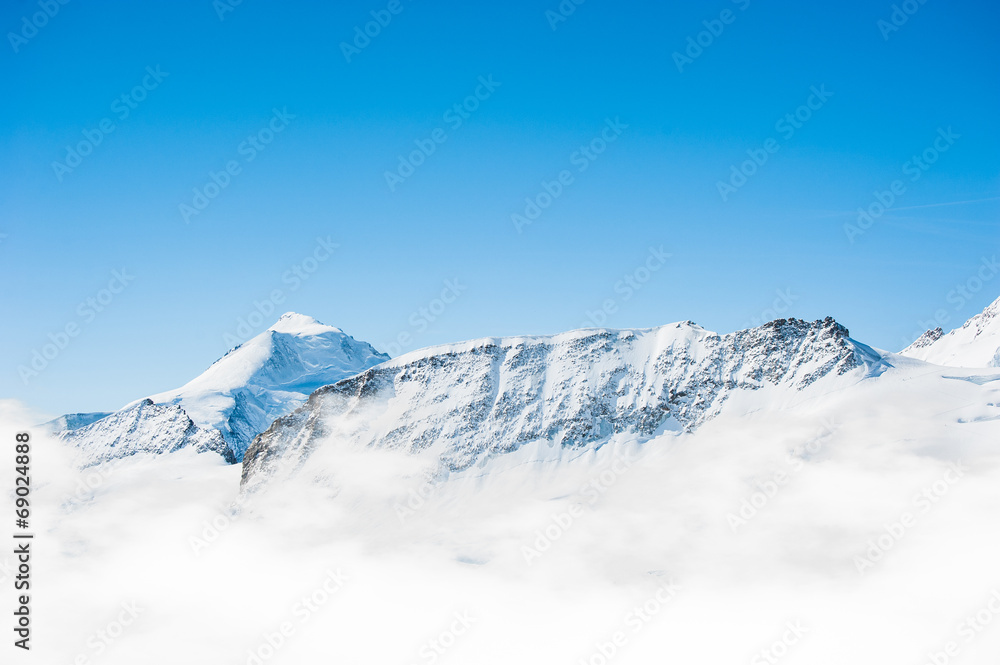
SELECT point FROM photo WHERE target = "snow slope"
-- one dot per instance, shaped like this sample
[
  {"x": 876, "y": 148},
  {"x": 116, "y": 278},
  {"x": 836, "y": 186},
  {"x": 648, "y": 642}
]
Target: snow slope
[
  {"x": 269, "y": 376},
  {"x": 476, "y": 400},
  {"x": 239, "y": 395},
  {"x": 143, "y": 428},
  {"x": 975, "y": 344}
]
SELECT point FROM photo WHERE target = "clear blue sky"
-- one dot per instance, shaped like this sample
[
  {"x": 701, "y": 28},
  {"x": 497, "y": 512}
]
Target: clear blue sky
[{"x": 323, "y": 173}]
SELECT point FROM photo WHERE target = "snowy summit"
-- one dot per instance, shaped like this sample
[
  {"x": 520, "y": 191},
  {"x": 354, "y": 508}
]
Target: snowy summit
[{"x": 264, "y": 378}]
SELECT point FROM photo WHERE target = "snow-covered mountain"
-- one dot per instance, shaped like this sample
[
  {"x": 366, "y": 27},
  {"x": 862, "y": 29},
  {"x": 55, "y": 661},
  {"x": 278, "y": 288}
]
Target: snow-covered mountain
[
  {"x": 465, "y": 403},
  {"x": 576, "y": 476},
  {"x": 143, "y": 428},
  {"x": 975, "y": 344},
  {"x": 240, "y": 394},
  {"x": 269, "y": 376}
]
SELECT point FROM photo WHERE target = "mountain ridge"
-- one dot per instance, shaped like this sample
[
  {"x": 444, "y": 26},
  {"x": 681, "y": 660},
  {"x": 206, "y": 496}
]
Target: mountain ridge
[
  {"x": 482, "y": 398},
  {"x": 145, "y": 427},
  {"x": 976, "y": 343}
]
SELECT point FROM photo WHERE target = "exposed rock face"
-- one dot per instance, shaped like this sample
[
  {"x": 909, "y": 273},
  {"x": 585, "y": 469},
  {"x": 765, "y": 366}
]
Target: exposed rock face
[
  {"x": 925, "y": 340},
  {"x": 472, "y": 401}
]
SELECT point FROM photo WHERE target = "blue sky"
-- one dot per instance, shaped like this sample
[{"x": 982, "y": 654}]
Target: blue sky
[{"x": 555, "y": 87}]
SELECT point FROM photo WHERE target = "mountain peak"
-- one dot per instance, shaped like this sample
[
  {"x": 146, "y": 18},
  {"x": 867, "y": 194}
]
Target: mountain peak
[
  {"x": 928, "y": 338},
  {"x": 293, "y": 323},
  {"x": 267, "y": 376}
]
